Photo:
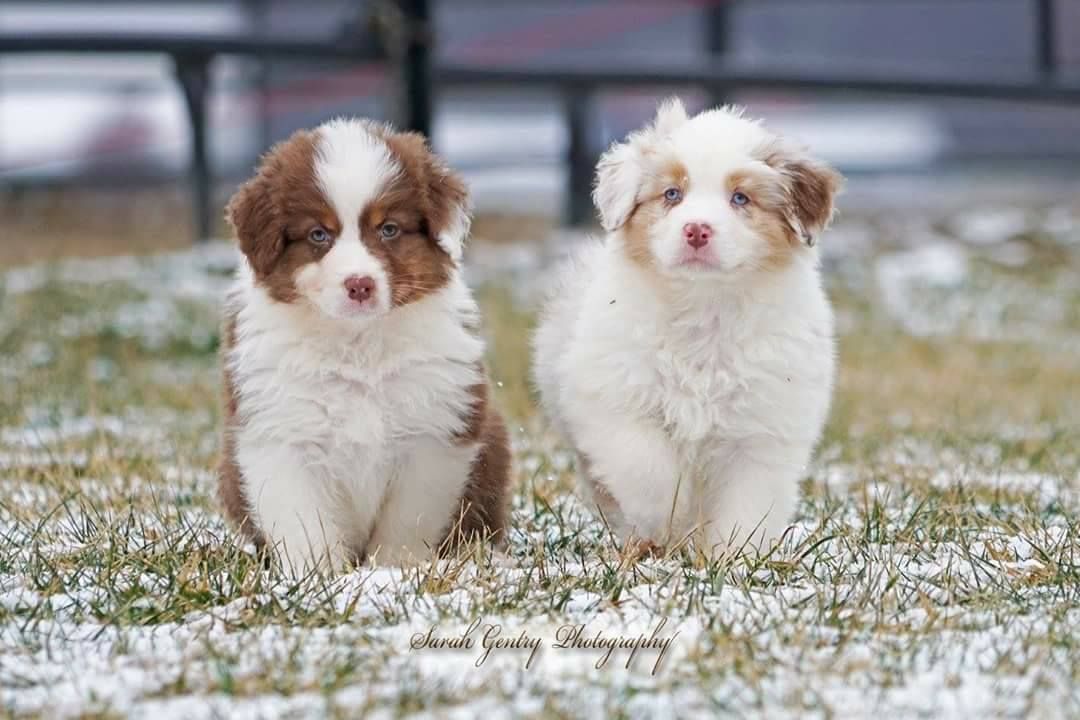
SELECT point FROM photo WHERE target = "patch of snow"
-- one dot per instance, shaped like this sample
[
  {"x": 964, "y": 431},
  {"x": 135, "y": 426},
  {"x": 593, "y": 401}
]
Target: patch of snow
[
  {"x": 904, "y": 276},
  {"x": 987, "y": 226}
]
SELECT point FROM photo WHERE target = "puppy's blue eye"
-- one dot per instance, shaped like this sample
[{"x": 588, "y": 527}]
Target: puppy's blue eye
[
  {"x": 739, "y": 199},
  {"x": 673, "y": 194},
  {"x": 389, "y": 231},
  {"x": 319, "y": 236}
]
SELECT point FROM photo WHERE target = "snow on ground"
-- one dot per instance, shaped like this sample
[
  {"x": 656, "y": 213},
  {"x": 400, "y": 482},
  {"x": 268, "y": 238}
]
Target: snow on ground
[{"x": 931, "y": 570}]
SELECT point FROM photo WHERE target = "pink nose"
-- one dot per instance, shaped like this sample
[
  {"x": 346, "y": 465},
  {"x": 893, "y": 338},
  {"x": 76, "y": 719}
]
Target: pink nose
[
  {"x": 359, "y": 288},
  {"x": 697, "y": 234}
]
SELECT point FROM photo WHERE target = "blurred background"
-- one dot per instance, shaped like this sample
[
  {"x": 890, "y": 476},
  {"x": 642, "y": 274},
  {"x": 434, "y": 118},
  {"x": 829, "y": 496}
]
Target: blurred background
[{"x": 96, "y": 148}]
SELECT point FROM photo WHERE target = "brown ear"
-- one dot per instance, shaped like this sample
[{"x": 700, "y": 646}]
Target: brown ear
[
  {"x": 257, "y": 223},
  {"x": 449, "y": 207},
  {"x": 811, "y": 188},
  {"x": 446, "y": 202}
]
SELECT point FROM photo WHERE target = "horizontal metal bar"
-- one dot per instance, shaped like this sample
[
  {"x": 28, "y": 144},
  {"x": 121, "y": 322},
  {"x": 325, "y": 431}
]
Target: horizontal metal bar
[
  {"x": 359, "y": 49},
  {"x": 724, "y": 76}
]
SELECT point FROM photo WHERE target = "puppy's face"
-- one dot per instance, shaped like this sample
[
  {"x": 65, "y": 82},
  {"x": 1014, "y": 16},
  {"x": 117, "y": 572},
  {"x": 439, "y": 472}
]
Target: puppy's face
[
  {"x": 352, "y": 220},
  {"x": 712, "y": 195}
]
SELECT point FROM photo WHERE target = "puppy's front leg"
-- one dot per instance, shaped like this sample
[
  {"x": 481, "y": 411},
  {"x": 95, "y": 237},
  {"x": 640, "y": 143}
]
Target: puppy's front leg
[
  {"x": 632, "y": 475},
  {"x": 751, "y": 496},
  {"x": 295, "y": 510},
  {"x": 420, "y": 502}
]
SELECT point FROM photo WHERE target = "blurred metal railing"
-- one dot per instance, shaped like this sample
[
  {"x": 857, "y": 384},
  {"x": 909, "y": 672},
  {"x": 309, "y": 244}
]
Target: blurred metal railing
[
  {"x": 191, "y": 56},
  {"x": 721, "y": 76},
  {"x": 400, "y": 33}
]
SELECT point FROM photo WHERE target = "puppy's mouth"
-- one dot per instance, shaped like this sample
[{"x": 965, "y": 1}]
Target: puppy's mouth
[
  {"x": 347, "y": 312},
  {"x": 698, "y": 260},
  {"x": 359, "y": 311}
]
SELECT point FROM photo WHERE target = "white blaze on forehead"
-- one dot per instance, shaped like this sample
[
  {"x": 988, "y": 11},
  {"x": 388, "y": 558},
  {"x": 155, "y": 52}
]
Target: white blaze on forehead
[
  {"x": 353, "y": 165},
  {"x": 715, "y": 142}
]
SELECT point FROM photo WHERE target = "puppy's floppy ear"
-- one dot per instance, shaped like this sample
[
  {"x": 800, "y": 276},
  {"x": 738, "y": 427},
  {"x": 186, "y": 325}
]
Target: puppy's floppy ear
[
  {"x": 811, "y": 188},
  {"x": 618, "y": 178},
  {"x": 619, "y": 174},
  {"x": 446, "y": 201},
  {"x": 451, "y": 208},
  {"x": 257, "y": 223}
]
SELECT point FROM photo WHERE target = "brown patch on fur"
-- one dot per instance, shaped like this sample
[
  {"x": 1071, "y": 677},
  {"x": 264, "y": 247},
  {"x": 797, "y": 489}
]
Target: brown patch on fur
[
  {"x": 486, "y": 500},
  {"x": 788, "y": 207},
  {"x": 474, "y": 421},
  {"x": 424, "y": 200},
  {"x": 441, "y": 195},
  {"x": 230, "y": 483},
  {"x": 767, "y": 213},
  {"x": 809, "y": 185},
  {"x": 664, "y": 173},
  {"x": 273, "y": 212},
  {"x": 813, "y": 187},
  {"x": 414, "y": 263}
]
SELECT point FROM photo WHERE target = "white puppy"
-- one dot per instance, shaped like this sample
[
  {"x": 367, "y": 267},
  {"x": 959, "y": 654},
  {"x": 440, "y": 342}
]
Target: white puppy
[{"x": 690, "y": 357}]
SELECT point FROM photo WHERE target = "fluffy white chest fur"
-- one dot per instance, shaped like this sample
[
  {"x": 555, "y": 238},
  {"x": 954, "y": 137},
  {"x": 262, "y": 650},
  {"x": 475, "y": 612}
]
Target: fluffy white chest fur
[
  {"x": 346, "y": 441},
  {"x": 694, "y": 406}
]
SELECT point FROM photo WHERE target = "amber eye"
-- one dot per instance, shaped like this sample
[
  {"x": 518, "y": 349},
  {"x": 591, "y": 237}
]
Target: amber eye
[
  {"x": 739, "y": 199},
  {"x": 319, "y": 236},
  {"x": 389, "y": 231},
  {"x": 673, "y": 194}
]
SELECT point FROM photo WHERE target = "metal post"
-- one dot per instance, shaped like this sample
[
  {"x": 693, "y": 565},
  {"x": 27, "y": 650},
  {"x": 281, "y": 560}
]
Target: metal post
[
  {"x": 716, "y": 41},
  {"x": 194, "y": 76},
  {"x": 256, "y": 12},
  {"x": 415, "y": 71},
  {"x": 579, "y": 162},
  {"x": 1045, "y": 40}
]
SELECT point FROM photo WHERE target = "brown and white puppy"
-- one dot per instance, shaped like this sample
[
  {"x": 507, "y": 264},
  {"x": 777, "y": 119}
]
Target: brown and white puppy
[
  {"x": 358, "y": 420},
  {"x": 689, "y": 358}
]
